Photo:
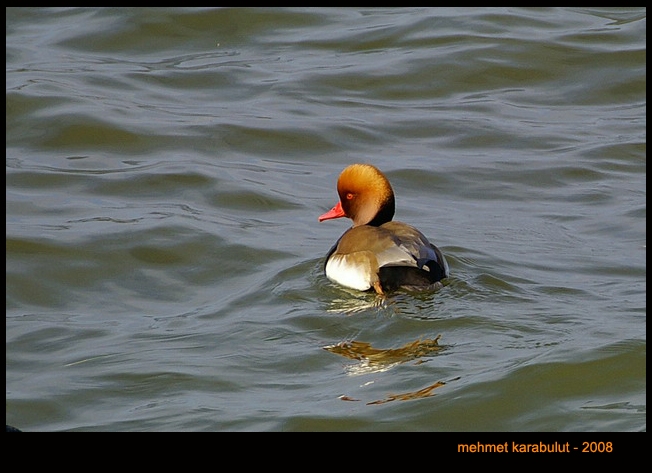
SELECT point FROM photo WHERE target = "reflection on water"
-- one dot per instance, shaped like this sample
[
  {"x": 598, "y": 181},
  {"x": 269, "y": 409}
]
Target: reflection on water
[
  {"x": 356, "y": 303},
  {"x": 378, "y": 360},
  {"x": 381, "y": 359},
  {"x": 409, "y": 396}
]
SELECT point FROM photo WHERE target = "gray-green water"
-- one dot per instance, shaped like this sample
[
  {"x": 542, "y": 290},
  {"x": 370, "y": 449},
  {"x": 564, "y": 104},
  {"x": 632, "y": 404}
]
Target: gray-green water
[{"x": 165, "y": 169}]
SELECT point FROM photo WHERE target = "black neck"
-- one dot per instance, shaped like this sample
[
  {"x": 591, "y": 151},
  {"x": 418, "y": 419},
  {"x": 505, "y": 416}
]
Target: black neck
[{"x": 385, "y": 214}]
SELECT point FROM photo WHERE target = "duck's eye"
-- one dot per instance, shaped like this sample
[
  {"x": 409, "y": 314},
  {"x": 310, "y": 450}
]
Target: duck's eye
[{"x": 349, "y": 195}]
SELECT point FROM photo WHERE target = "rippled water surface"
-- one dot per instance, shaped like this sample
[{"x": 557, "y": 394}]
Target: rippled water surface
[{"x": 165, "y": 169}]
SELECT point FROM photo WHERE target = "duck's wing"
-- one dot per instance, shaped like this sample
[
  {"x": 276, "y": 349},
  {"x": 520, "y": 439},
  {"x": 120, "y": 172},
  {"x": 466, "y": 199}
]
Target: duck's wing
[{"x": 415, "y": 252}]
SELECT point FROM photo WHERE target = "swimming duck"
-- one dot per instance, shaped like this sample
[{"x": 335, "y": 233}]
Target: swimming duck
[{"x": 376, "y": 252}]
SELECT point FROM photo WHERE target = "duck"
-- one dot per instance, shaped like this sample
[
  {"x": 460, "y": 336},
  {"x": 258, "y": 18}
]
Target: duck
[{"x": 378, "y": 253}]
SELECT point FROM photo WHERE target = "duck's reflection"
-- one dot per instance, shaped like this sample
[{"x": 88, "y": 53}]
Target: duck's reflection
[
  {"x": 373, "y": 360},
  {"x": 421, "y": 393},
  {"x": 357, "y": 303}
]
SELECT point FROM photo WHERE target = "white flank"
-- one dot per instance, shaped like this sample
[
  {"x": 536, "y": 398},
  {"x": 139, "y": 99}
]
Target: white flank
[{"x": 347, "y": 275}]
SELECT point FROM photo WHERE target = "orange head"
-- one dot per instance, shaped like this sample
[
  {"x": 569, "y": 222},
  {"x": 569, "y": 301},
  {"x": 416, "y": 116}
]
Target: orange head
[{"x": 366, "y": 196}]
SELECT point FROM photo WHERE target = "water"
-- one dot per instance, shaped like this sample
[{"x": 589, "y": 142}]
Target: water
[{"x": 166, "y": 167}]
